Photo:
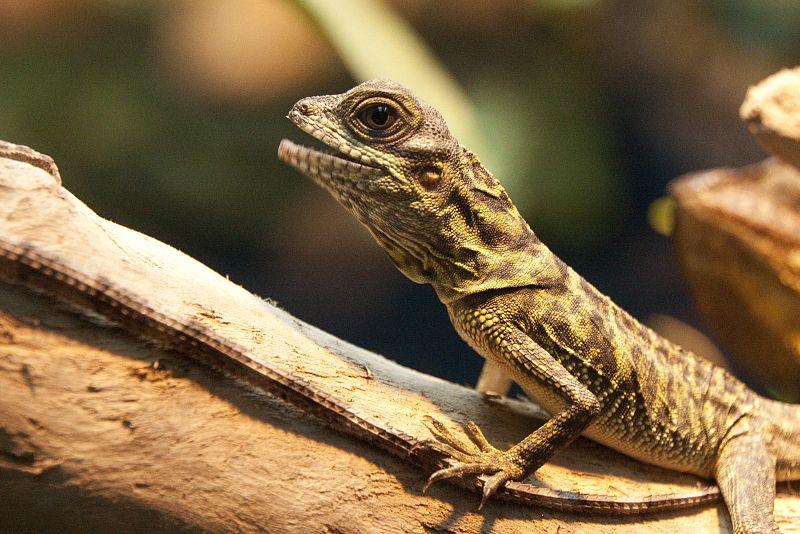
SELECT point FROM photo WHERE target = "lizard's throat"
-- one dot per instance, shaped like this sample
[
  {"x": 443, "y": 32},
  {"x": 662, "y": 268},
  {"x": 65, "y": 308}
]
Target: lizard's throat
[
  {"x": 487, "y": 269},
  {"x": 468, "y": 270}
]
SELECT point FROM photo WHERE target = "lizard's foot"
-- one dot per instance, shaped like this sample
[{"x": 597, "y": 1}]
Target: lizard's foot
[{"x": 477, "y": 457}]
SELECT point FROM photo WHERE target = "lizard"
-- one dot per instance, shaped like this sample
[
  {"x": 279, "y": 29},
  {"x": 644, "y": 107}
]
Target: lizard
[
  {"x": 445, "y": 220},
  {"x": 41, "y": 267}
]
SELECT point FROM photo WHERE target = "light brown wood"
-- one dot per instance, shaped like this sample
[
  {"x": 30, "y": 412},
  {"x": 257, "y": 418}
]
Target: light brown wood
[
  {"x": 736, "y": 235},
  {"x": 102, "y": 431},
  {"x": 771, "y": 110}
]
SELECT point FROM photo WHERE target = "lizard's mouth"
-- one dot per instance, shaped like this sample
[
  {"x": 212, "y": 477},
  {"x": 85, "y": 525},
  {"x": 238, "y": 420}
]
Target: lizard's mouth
[
  {"x": 324, "y": 165},
  {"x": 336, "y": 162}
]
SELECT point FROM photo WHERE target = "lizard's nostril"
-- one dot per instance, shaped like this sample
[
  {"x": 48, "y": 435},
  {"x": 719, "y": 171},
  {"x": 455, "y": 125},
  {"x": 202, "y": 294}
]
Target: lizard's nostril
[{"x": 305, "y": 107}]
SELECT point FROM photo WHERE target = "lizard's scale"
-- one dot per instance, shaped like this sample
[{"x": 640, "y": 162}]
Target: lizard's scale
[{"x": 444, "y": 220}]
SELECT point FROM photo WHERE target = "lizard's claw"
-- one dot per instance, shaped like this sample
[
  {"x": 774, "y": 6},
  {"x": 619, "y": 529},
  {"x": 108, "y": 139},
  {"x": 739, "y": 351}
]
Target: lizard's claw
[{"x": 477, "y": 457}]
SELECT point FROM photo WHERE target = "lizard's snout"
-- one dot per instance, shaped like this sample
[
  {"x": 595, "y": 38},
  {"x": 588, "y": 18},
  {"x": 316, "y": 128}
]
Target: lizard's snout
[{"x": 305, "y": 107}]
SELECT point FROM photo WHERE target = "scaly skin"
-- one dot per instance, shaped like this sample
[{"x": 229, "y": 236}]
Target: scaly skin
[{"x": 444, "y": 220}]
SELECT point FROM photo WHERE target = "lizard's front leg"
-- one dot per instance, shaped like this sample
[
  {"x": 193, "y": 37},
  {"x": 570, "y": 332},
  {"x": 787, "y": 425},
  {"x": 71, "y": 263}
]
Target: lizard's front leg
[{"x": 523, "y": 357}]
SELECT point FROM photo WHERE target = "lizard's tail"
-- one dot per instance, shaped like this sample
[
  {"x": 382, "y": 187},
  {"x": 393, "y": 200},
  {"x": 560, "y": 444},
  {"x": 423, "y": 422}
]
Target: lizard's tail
[{"x": 783, "y": 423}]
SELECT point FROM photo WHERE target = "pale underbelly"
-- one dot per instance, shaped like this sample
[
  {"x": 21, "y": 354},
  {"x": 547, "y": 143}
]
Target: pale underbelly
[{"x": 642, "y": 446}]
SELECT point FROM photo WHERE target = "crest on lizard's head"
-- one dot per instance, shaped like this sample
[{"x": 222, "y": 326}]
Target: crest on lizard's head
[{"x": 427, "y": 200}]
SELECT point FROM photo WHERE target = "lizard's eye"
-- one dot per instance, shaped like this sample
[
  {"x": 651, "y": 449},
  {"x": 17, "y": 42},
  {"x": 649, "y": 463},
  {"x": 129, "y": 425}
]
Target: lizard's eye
[
  {"x": 381, "y": 118},
  {"x": 378, "y": 116}
]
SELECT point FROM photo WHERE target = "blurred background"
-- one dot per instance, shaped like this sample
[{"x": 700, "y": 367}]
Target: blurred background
[{"x": 166, "y": 116}]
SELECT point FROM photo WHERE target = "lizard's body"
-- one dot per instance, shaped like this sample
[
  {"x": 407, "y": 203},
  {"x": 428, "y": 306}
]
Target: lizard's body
[
  {"x": 444, "y": 220},
  {"x": 659, "y": 404}
]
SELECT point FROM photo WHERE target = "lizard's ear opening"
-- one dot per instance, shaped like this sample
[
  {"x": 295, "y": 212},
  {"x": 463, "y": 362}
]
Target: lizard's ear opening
[{"x": 430, "y": 177}]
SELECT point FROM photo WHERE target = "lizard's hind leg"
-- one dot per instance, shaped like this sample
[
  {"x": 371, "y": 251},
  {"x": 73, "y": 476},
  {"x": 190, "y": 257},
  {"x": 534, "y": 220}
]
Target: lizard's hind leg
[
  {"x": 745, "y": 473},
  {"x": 494, "y": 379}
]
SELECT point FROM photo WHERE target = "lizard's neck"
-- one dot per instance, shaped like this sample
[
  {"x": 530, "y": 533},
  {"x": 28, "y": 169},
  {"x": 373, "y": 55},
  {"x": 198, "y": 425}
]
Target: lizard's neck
[
  {"x": 465, "y": 240},
  {"x": 532, "y": 264},
  {"x": 493, "y": 248}
]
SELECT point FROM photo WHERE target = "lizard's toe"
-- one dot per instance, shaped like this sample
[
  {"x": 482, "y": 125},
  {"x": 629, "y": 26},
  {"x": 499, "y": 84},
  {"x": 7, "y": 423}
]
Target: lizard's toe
[
  {"x": 492, "y": 484},
  {"x": 459, "y": 470},
  {"x": 454, "y": 446},
  {"x": 474, "y": 458},
  {"x": 499, "y": 466}
]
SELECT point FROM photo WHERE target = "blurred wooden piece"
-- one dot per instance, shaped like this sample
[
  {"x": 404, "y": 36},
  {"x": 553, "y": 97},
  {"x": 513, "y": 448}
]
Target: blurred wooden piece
[
  {"x": 99, "y": 430},
  {"x": 771, "y": 110},
  {"x": 737, "y": 234}
]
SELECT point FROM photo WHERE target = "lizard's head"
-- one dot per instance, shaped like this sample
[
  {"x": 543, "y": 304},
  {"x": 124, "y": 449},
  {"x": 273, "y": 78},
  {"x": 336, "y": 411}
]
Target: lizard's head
[{"x": 427, "y": 200}]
